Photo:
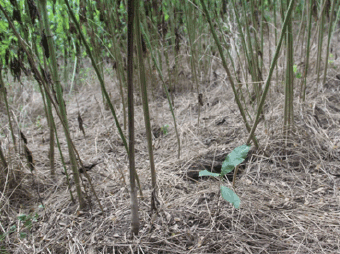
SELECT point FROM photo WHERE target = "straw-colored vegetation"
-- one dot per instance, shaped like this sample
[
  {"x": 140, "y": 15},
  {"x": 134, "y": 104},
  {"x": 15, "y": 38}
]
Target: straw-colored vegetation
[{"x": 169, "y": 126}]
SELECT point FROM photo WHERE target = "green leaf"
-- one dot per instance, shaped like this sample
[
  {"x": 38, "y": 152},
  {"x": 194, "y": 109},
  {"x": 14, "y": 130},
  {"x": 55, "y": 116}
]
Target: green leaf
[
  {"x": 295, "y": 68},
  {"x": 3, "y": 26},
  {"x": 230, "y": 196},
  {"x": 23, "y": 235},
  {"x": 2, "y": 237},
  {"x": 207, "y": 173},
  {"x": 28, "y": 223},
  {"x": 164, "y": 129},
  {"x": 12, "y": 228},
  {"x": 22, "y": 217},
  {"x": 235, "y": 158}
]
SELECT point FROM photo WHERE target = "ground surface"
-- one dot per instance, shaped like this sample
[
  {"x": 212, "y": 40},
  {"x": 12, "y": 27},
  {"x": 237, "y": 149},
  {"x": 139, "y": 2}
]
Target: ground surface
[{"x": 289, "y": 199}]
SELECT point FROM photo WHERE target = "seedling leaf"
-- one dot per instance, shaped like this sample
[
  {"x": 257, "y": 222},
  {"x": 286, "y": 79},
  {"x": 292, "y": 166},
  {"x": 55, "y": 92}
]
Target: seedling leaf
[
  {"x": 230, "y": 196},
  {"x": 207, "y": 173},
  {"x": 22, "y": 217},
  {"x": 2, "y": 237},
  {"x": 295, "y": 68},
  {"x": 23, "y": 235},
  {"x": 235, "y": 158},
  {"x": 28, "y": 223}
]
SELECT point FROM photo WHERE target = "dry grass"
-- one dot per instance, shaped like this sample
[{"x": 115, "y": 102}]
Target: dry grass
[{"x": 290, "y": 200}]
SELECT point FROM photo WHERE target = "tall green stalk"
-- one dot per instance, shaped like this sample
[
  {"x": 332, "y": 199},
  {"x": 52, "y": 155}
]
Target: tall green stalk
[
  {"x": 261, "y": 39},
  {"x": 245, "y": 51},
  {"x": 271, "y": 70},
  {"x": 4, "y": 93},
  {"x": 224, "y": 62},
  {"x": 102, "y": 85},
  {"x": 41, "y": 80},
  {"x": 133, "y": 189},
  {"x": 275, "y": 32},
  {"x": 173, "y": 24},
  {"x": 94, "y": 42},
  {"x": 164, "y": 87},
  {"x": 119, "y": 62},
  {"x": 320, "y": 40},
  {"x": 145, "y": 106},
  {"x": 51, "y": 129},
  {"x": 289, "y": 92},
  {"x": 101, "y": 81},
  {"x": 61, "y": 103},
  {"x": 304, "y": 84},
  {"x": 65, "y": 60},
  {"x": 3, "y": 159},
  {"x": 62, "y": 159},
  {"x": 329, "y": 40},
  {"x": 191, "y": 28},
  {"x": 253, "y": 64},
  {"x": 48, "y": 107}
]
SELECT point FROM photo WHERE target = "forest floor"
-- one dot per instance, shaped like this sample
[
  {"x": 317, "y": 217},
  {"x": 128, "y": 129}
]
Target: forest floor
[{"x": 290, "y": 201}]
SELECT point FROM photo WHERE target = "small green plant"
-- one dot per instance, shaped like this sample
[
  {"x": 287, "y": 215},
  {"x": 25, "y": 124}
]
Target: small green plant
[
  {"x": 297, "y": 73},
  {"x": 331, "y": 58},
  {"x": 233, "y": 159},
  {"x": 38, "y": 122},
  {"x": 164, "y": 129},
  {"x": 27, "y": 220},
  {"x": 3, "y": 249},
  {"x": 11, "y": 230}
]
